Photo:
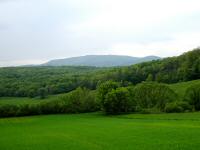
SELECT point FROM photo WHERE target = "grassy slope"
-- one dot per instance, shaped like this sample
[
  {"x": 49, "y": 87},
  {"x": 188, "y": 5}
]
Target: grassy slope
[
  {"x": 98, "y": 132},
  {"x": 181, "y": 87},
  {"x": 20, "y": 100},
  {"x": 26, "y": 100}
]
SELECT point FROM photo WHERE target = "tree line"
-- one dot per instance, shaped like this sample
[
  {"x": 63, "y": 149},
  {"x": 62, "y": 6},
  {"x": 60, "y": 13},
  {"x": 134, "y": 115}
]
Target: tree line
[{"x": 113, "y": 98}]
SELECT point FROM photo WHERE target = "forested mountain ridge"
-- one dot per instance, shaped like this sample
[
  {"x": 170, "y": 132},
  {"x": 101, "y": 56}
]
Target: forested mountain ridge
[
  {"x": 185, "y": 67},
  {"x": 34, "y": 81},
  {"x": 100, "y": 60}
]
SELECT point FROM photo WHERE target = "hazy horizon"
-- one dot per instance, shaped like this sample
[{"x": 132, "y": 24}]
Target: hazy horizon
[{"x": 34, "y": 32}]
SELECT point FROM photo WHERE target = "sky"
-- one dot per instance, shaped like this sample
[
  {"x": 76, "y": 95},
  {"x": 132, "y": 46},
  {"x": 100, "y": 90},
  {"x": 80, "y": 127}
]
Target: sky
[{"x": 35, "y": 31}]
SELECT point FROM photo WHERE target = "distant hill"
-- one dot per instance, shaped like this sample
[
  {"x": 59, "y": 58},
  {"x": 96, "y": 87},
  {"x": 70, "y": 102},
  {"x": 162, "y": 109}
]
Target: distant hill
[{"x": 100, "y": 60}]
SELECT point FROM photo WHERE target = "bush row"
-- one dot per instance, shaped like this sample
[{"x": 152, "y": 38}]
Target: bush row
[
  {"x": 113, "y": 98},
  {"x": 146, "y": 97},
  {"x": 78, "y": 101}
]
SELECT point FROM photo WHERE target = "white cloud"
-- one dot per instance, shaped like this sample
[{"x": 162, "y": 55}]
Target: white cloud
[
  {"x": 181, "y": 43},
  {"x": 21, "y": 62},
  {"x": 37, "y": 30},
  {"x": 133, "y": 16}
]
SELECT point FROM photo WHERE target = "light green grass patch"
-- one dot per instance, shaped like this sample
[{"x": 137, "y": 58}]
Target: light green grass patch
[
  {"x": 26, "y": 100},
  {"x": 95, "y": 131}
]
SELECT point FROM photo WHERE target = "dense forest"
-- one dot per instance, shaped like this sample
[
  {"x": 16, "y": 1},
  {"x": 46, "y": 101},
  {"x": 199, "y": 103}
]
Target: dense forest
[{"x": 43, "y": 81}]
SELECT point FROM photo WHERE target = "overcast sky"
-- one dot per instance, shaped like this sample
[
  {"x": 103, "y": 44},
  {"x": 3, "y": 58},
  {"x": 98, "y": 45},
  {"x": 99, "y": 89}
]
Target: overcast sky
[{"x": 34, "y": 31}]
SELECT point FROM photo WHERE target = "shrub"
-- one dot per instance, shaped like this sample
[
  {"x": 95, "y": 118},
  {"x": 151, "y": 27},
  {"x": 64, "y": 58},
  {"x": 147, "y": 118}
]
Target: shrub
[
  {"x": 42, "y": 92},
  {"x": 77, "y": 101},
  {"x": 81, "y": 100},
  {"x": 151, "y": 95},
  {"x": 32, "y": 93},
  {"x": 176, "y": 107},
  {"x": 29, "y": 109},
  {"x": 173, "y": 108},
  {"x": 192, "y": 96},
  {"x": 118, "y": 101},
  {"x": 105, "y": 88},
  {"x": 185, "y": 105},
  {"x": 52, "y": 107},
  {"x": 8, "y": 110}
]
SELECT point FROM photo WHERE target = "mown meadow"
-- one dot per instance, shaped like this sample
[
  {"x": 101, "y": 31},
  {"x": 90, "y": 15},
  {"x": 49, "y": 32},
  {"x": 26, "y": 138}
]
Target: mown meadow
[{"x": 97, "y": 131}]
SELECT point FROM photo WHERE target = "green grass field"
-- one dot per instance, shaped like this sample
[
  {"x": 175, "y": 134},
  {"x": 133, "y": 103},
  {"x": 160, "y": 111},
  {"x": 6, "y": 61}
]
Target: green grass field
[
  {"x": 95, "y": 131},
  {"x": 19, "y": 100},
  {"x": 25, "y": 100}
]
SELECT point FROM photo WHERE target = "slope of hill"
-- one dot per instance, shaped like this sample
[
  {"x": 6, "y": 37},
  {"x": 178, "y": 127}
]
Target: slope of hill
[
  {"x": 180, "y": 88},
  {"x": 100, "y": 60},
  {"x": 30, "y": 81}
]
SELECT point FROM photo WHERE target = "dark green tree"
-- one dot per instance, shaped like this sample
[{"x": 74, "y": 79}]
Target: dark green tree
[
  {"x": 149, "y": 78},
  {"x": 192, "y": 95},
  {"x": 118, "y": 101},
  {"x": 42, "y": 92},
  {"x": 152, "y": 95},
  {"x": 104, "y": 88}
]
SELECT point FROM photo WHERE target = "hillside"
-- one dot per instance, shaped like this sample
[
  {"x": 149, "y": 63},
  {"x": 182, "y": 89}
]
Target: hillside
[
  {"x": 100, "y": 61},
  {"x": 180, "y": 88},
  {"x": 30, "y": 81}
]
